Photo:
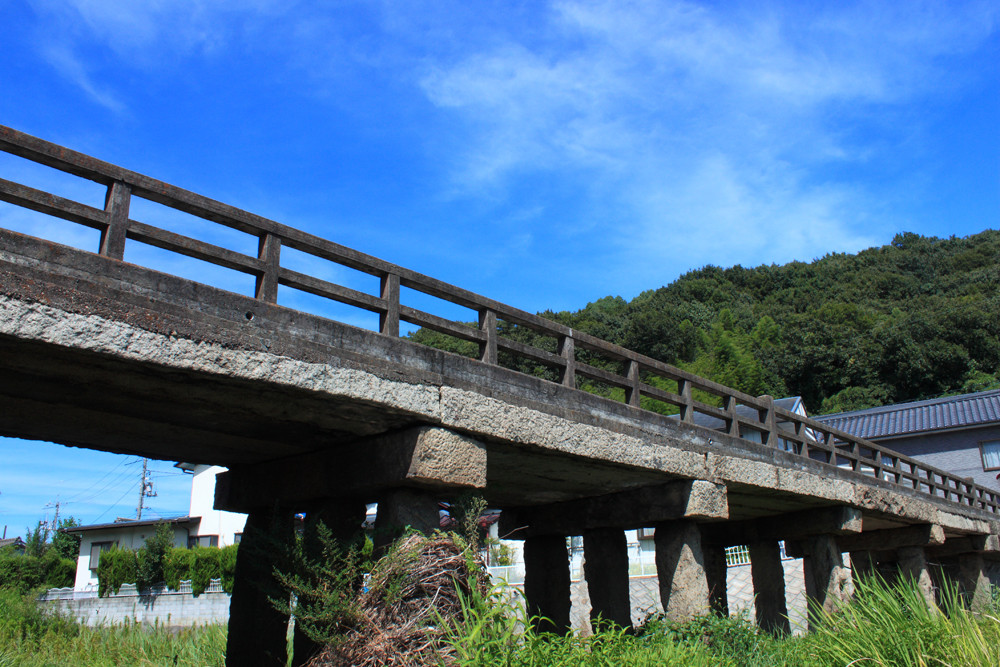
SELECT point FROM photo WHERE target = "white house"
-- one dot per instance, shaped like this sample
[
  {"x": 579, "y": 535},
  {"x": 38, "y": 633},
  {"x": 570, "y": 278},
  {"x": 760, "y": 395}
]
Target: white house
[{"x": 204, "y": 526}]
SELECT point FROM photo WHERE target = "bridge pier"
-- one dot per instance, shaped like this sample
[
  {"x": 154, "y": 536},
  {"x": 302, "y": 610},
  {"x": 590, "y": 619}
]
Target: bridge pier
[
  {"x": 257, "y": 631},
  {"x": 399, "y": 509},
  {"x": 546, "y": 582},
  {"x": 716, "y": 576},
  {"x": 768, "y": 576},
  {"x": 912, "y": 564},
  {"x": 828, "y": 582},
  {"x": 605, "y": 554},
  {"x": 972, "y": 581},
  {"x": 680, "y": 566}
]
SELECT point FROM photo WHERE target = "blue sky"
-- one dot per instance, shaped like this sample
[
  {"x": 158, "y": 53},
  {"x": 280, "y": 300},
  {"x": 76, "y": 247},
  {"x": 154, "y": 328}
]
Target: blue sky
[{"x": 545, "y": 154}]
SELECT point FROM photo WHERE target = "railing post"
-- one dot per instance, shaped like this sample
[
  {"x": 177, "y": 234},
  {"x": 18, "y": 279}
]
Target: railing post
[
  {"x": 687, "y": 410},
  {"x": 268, "y": 252},
  {"x": 567, "y": 350},
  {"x": 388, "y": 322},
  {"x": 730, "y": 407},
  {"x": 488, "y": 325},
  {"x": 632, "y": 393},
  {"x": 116, "y": 204},
  {"x": 768, "y": 421}
]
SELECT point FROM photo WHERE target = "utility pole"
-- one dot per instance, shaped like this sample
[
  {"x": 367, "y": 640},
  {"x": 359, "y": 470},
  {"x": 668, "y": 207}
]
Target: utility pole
[
  {"x": 145, "y": 489},
  {"x": 55, "y": 521}
]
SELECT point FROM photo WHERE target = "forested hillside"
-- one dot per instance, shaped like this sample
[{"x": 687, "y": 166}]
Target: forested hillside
[{"x": 914, "y": 319}]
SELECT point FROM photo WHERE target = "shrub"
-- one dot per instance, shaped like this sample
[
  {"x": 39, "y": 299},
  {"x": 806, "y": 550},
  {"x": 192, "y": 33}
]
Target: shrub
[
  {"x": 23, "y": 573},
  {"x": 116, "y": 567},
  {"x": 199, "y": 566}
]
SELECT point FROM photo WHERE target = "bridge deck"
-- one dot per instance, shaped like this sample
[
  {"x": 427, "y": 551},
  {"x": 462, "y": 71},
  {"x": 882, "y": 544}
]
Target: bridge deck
[{"x": 114, "y": 356}]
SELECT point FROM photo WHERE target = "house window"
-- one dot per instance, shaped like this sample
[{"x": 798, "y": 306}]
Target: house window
[
  {"x": 95, "y": 552},
  {"x": 990, "y": 450},
  {"x": 237, "y": 538},
  {"x": 646, "y": 533},
  {"x": 203, "y": 541}
]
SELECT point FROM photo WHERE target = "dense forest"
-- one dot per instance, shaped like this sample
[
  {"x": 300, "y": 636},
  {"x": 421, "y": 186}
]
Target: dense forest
[{"x": 914, "y": 319}]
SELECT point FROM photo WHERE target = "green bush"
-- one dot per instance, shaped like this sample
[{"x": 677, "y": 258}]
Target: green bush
[
  {"x": 116, "y": 567},
  {"x": 178, "y": 566},
  {"x": 23, "y": 573},
  {"x": 200, "y": 565}
]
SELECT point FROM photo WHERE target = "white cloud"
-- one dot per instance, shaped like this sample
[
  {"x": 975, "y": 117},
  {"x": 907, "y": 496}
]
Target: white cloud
[{"x": 712, "y": 131}]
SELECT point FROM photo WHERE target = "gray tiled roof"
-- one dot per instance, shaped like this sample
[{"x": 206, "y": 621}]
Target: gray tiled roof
[
  {"x": 789, "y": 403},
  {"x": 934, "y": 414}
]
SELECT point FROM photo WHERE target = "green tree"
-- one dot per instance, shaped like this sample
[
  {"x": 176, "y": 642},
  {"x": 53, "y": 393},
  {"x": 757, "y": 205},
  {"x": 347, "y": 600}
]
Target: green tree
[{"x": 67, "y": 545}]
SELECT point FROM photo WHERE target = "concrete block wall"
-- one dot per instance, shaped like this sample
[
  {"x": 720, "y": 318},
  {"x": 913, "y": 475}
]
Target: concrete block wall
[{"x": 159, "y": 606}]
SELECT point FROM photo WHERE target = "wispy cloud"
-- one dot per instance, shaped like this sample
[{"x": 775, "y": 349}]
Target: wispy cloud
[{"x": 714, "y": 131}]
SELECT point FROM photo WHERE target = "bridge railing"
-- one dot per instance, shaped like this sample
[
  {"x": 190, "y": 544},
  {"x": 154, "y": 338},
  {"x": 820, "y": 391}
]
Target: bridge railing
[{"x": 575, "y": 359}]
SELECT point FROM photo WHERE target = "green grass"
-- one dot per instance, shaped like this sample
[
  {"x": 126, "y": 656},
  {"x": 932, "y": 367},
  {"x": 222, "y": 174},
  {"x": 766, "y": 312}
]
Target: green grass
[
  {"x": 32, "y": 638},
  {"x": 882, "y": 626}
]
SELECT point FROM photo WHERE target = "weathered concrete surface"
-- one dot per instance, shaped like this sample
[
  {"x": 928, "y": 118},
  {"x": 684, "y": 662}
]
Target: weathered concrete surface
[
  {"x": 913, "y": 565},
  {"x": 682, "y": 499},
  {"x": 828, "y": 582},
  {"x": 402, "y": 508},
  {"x": 546, "y": 582},
  {"x": 716, "y": 571},
  {"x": 973, "y": 582},
  {"x": 769, "y": 587},
  {"x": 680, "y": 568},
  {"x": 425, "y": 456},
  {"x": 605, "y": 555}
]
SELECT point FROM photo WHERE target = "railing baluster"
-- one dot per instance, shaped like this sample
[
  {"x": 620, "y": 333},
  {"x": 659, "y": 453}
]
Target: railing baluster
[
  {"x": 488, "y": 325},
  {"x": 388, "y": 322},
  {"x": 769, "y": 422},
  {"x": 632, "y": 394},
  {"x": 269, "y": 253},
  {"x": 116, "y": 204},
  {"x": 687, "y": 410},
  {"x": 729, "y": 405},
  {"x": 567, "y": 350}
]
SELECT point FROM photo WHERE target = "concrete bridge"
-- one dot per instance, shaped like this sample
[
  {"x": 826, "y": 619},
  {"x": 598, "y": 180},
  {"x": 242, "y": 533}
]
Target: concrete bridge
[{"x": 316, "y": 416}]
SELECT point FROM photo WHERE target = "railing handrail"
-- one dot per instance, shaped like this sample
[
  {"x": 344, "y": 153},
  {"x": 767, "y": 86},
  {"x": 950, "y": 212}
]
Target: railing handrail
[{"x": 808, "y": 437}]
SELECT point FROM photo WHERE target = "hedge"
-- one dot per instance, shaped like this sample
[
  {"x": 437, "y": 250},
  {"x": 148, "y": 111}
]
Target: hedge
[
  {"x": 198, "y": 565},
  {"x": 24, "y": 573}
]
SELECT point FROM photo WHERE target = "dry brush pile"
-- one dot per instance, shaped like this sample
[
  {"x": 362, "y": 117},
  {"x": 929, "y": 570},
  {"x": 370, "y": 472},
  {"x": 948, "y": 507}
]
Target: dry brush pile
[{"x": 411, "y": 597}]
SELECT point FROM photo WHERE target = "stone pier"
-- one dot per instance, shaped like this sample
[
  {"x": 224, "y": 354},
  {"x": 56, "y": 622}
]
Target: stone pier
[
  {"x": 769, "y": 587},
  {"x": 546, "y": 582},
  {"x": 605, "y": 554},
  {"x": 680, "y": 566}
]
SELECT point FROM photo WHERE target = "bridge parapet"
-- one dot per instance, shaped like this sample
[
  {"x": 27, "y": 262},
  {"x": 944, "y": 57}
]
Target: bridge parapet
[{"x": 574, "y": 359}]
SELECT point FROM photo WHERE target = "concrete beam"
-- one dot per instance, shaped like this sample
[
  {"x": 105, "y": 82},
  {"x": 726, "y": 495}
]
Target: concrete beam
[
  {"x": 987, "y": 545},
  {"x": 425, "y": 456},
  {"x": 647, "y": 506},
  {"x": 893, "y": 538},
  {"x": 793, "y": 525}
]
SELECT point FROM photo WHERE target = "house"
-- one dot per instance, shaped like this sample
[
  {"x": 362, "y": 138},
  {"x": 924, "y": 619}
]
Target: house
[
  {"x": 203, "y": 526},
  {"x": 15, "y": 543},
  {"x": 959, "y": 434}
]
